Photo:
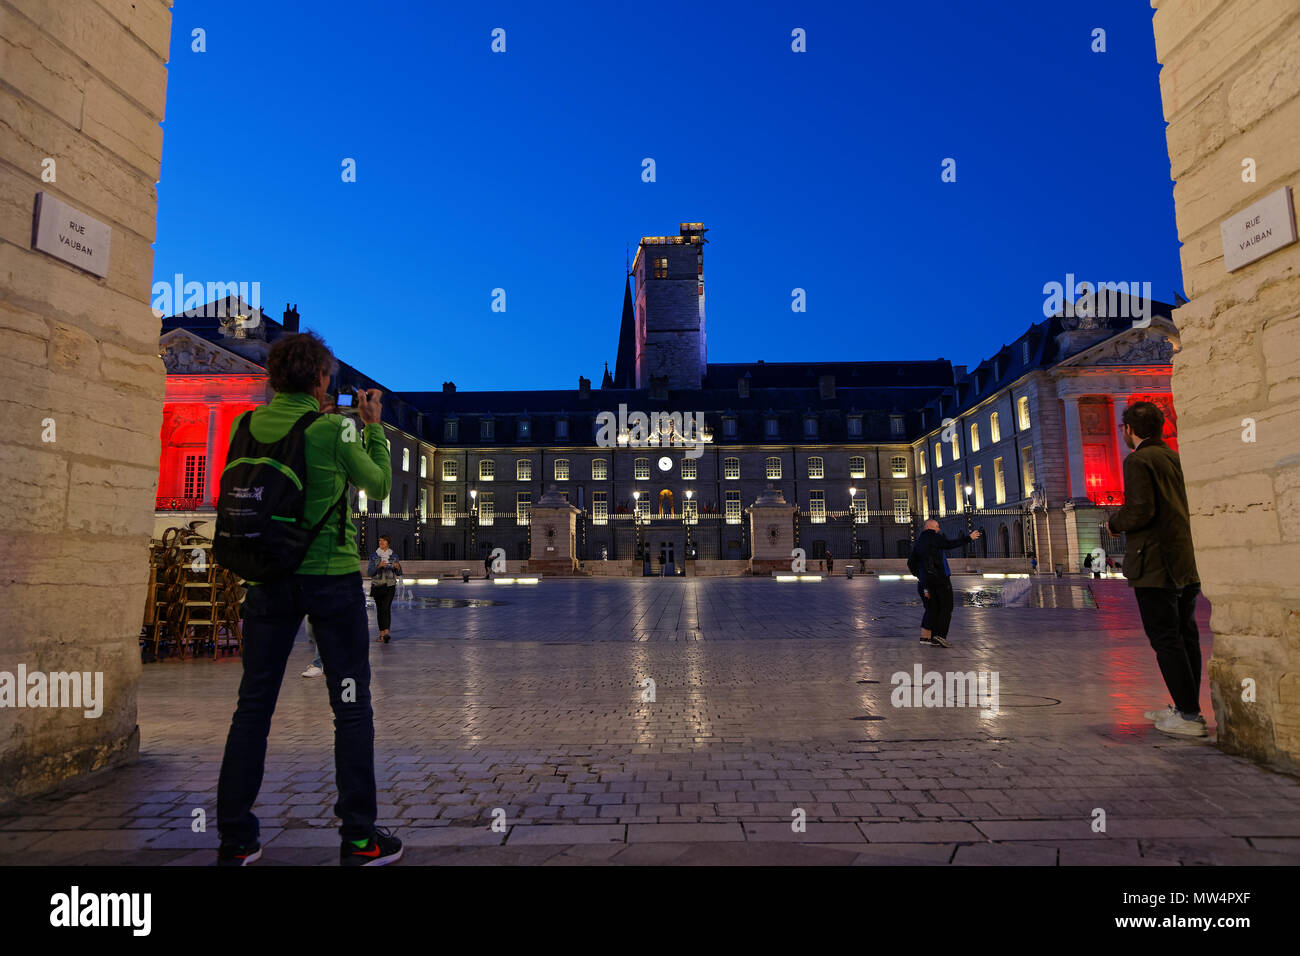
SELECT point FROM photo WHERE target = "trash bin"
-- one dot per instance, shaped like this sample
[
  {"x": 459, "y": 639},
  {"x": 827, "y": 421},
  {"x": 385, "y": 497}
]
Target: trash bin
[
  {"x": 848, "y": 571},
  {"x": 464, "y": 575}
]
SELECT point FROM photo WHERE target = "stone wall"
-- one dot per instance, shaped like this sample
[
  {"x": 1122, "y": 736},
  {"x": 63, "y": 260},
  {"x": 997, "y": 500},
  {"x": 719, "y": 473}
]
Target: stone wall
[
  {"x": 84, "y": 86},
  {"x": 1231, "y": 89}
]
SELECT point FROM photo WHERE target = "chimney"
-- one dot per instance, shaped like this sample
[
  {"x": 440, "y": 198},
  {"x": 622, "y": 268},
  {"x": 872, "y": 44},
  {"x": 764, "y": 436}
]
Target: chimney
[
  {"x": 827, "y": 385},
  {"x": 290, "y": 318},
  {"x": 584, "y": 387},
  {"x": 448, "y": 387}
]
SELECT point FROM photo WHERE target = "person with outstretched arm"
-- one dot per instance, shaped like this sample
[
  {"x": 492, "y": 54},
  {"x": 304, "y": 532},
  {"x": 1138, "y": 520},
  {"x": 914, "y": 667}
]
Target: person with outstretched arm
[{"x": 934, "y": 581}]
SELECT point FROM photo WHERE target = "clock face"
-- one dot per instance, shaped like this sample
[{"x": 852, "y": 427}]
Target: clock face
[{"x": 665, "y": 463}]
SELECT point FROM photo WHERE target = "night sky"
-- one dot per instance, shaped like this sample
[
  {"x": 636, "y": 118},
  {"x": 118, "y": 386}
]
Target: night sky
[{"x": 523, "y": 171}]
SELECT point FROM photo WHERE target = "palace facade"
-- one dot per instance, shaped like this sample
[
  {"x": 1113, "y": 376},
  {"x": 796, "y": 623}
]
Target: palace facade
[{"x": 865, "y": 451}]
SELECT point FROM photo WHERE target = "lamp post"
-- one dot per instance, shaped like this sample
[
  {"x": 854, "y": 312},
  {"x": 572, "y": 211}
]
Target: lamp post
[
  {"x": 969, "y": 526},
  {"x": 473, "y": 523},
  {"x": 690, "y": 493},
  {"x": 853, "y": 515}
]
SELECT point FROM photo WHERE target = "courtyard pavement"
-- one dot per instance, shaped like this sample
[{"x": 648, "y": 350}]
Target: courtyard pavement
[{"x": 769, "y": 698}]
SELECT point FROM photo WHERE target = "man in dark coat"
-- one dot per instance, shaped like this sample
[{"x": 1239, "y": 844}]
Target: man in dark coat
[
  {"x": 1161, "y": 566},
  {"x": 933, "y": 579}
]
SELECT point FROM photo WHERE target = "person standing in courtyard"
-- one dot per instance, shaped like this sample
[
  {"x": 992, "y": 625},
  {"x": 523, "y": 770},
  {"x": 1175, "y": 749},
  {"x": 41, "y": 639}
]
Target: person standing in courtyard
[
  {"x": 384, "y": 569},
  {"x": 1160, "y": 565},
  {"x": 830, "y": 563},
  {"x": 274, "y": 449},
  {"x": 934, "y": 581}
]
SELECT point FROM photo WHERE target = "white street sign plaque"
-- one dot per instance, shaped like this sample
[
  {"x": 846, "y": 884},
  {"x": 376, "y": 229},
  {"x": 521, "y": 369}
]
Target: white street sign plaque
[
  {"x": 69, "y": 234},
  {"x": 1260, "y": 228}
]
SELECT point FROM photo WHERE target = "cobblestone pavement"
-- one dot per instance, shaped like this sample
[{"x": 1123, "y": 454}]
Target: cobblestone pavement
[{"x": 769, "y": 698}]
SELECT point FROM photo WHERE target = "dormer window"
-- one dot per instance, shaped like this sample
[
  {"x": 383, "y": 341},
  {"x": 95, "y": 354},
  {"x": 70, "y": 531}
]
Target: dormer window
[
  {"x": 771, "y": 427},
  {"x": 525, "y": 429},
  {"x": 562, "y": 429},
  {"x": 855, "y": 426},
  {"x": 451, "y": 430},
  {"x": 487, "y": 429},
  {"x": 1024, "y": 351},
  {"x": 742, "y": 387},
  {"x": 810, "y": 426},
  {"x": 728, "y": 426}
]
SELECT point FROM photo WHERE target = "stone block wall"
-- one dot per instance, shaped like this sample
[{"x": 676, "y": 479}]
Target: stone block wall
[
  {"x": 84, "y": 86},
  {"x": 1230, "y": 82}
]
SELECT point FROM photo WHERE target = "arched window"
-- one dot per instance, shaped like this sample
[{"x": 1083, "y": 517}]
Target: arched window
[
  {"x": 857, "y": 467},
  {"x": 487, "y": 470},
  {"x": 731, "y": 468},
  {"x": 816, "y": 467},
  {"x": 974, "y": 436},
  {"x": 995, "y": 430},
  {"x": 599, "y": 469},
  {"x": 561, "y": 469}
]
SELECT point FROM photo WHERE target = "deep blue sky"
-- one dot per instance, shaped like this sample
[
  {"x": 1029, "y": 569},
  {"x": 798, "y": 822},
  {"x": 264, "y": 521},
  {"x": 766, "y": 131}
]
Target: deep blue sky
[{"x": 522, "y": 170}]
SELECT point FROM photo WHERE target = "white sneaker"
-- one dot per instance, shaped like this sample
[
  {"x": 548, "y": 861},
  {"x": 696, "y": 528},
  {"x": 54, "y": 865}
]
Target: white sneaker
[
  {"x": 313, "y": 671},
  {"x": 1176, "y": 725},
  {"x": 1160, "y": 714}
]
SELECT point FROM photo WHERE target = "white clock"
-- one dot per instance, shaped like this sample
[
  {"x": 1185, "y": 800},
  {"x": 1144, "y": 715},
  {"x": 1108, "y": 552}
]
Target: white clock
[{"x": 665, "y": 463}]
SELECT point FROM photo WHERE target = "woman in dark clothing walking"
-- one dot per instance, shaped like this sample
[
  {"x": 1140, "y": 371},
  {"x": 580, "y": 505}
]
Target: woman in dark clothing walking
[{"x": 384, "y": 569}]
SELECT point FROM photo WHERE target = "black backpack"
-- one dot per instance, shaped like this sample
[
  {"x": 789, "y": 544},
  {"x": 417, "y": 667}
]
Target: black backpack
[{"x": 260, "y": 535}]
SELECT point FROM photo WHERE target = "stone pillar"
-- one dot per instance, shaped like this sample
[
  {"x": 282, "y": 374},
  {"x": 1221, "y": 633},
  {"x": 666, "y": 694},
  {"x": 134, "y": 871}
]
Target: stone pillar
[
  {"x": 1229, "y": 94},
  {"x": 554, "y": 534},
  {"x": 210, "y": 476},
  {"x": 85, "y": 84},
  {"x": 771, "y": 532},
  {"x": 1074, "y": 448}
]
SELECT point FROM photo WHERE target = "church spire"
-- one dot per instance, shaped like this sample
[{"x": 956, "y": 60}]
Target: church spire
[{"x": 625, "y": 361}]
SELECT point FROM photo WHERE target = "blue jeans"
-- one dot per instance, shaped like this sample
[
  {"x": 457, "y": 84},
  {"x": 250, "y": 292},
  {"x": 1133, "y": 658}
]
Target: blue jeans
[
  {"x": 311, "y": 636},
  {"x": 335, "y": 606}
]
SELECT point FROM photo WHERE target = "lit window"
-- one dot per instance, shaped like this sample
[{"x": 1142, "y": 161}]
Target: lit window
[
  {"x": 643, "y": 506},
  {"x": 999, "y": 482},
  {"x": 362, "y": 504},
  {"x": 196, "y": 467},
  {"x": 383, "y": 505},
  {"x": 661, "y": 268},
  {"x": 424, "y": 466},
  {"x": 956, "y": 493},
  {"x": 732, "y": 505},
  {"x": 858, "y": 505},
  {"x": 925, "y": 504},
  {"x": 1027, "y": 456},
  {"x": 956, "y": 449},
  {"x": 487, "y": 470},
  {"x": 1022, "y": 408},
  {"x": 561, "y": 469},
  {"x": 691, "y": 511},
  {"x": 920, "y": 457},
  {"x": 641, "y": 468},
  {"x": 974, "y": 437},
  {"x": 450, "y": 469},
  {"x": 688, "y": 469},
  {"x": 857, "y": 467},
  {"x": 895, "y": 424},
  {"x": 941, "y": 497},
  {"x": 995, "y": 430},
  {"x": 486, "y": 508},
  {"x": 817, "y": 507},
  {"x": 448, "y": 508},
  {"x": 524, "y": 469},
  {"x": 938, "y": 454},
  {"x": 902, "y": 506},
  {"x": 599, "y": 469},
  {"x": 424, "y": 506},
  {"x": 599, "y": 508},
  {"x": 816, "y": 467},
  {"x": 774, "y": 468},
  {"x": 406, "y": 459},
  {"x": 978, "y": 482},
  {"x": 898, "y": 466},
  {"x": 731, "y": 468},
  {"x": 523, "y": 507}
]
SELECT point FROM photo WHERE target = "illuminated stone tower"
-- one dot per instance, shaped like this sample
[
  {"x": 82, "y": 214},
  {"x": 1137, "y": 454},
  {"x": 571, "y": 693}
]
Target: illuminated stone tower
[{"x": 669, "y": 309}]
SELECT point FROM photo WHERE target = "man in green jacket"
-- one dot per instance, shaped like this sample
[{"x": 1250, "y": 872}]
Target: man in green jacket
[
  {"x": 326, "y": 588},
  {"x": 1161, "y": 566}
]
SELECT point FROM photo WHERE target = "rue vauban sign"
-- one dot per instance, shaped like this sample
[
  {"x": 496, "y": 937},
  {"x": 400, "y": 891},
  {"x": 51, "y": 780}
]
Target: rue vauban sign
[
  {"x": 69, "y": 234},
  {"x": 1260, "y": 228}
]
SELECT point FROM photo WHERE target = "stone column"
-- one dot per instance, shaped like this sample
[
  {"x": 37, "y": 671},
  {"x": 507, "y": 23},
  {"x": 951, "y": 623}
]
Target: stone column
[
  {"x": 1074, "y": 448},
  {"x": 210, "y": 478},
  {"x": 771, "y": 532},
  {"x": 554, "y": 528}
]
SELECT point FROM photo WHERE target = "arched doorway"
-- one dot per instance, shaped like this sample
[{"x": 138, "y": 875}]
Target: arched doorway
[
  {"x": 1004, "y": 542},
  {"x": 665, "y": 496}
]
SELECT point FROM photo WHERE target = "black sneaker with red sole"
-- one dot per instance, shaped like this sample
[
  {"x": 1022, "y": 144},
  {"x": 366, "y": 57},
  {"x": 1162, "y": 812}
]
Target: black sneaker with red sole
[
  {"x": 380, "y": 850},
  {"x": 234, "y": 854}
]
